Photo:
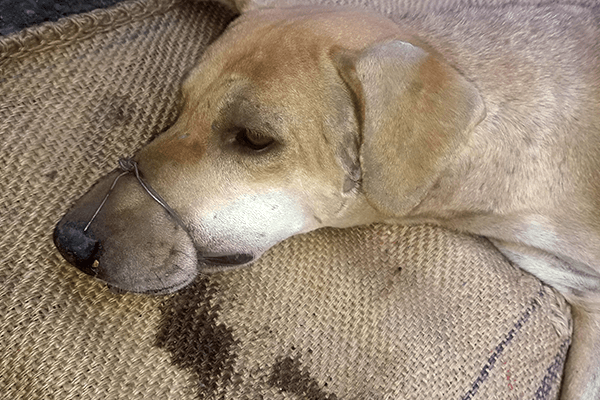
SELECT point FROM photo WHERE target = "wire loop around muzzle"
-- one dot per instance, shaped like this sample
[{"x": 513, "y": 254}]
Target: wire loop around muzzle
[{"x": 128, "y": 165}]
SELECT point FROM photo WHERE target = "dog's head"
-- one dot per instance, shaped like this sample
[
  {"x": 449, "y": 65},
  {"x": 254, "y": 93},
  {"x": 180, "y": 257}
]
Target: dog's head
[{"x": 293, "y": 120}]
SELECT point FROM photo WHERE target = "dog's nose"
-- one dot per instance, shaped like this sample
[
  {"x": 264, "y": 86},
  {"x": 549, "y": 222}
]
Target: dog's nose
[{"x": 77, "y": 246}]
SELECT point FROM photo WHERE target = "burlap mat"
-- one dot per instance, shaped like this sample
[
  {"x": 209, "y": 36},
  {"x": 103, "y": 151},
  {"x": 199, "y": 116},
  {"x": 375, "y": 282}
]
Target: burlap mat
[{"x": 381, "y": 312}]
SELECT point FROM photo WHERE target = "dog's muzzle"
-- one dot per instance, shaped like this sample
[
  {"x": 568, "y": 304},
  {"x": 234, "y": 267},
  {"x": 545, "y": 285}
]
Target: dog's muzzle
[{"x": 77, "y": 244}]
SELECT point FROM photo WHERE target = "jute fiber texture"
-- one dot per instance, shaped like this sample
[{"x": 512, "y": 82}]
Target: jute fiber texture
[{"x": 379, "y": 312}]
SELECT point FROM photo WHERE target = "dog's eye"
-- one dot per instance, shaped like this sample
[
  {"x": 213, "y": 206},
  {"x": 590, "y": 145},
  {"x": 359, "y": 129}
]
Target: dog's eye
[{"x": 252, "y": 140}]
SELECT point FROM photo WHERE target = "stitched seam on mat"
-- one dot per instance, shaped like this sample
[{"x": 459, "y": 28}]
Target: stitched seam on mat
[
  {"x": 553, "y": 372},
  {"x": 491, "y": 362},
  {"x": 65, "y": 31}
]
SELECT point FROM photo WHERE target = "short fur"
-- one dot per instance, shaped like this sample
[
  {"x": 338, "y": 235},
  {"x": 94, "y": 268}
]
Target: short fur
[{"x": 481, "y": 120}]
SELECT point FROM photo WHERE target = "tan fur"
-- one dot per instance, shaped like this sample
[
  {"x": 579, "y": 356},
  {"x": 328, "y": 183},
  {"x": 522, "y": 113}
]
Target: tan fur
[{"x": 481, "y": 120}]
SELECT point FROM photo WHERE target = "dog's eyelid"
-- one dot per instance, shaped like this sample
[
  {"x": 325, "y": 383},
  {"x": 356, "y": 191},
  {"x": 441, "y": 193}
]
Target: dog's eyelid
[{"x": 252, "y": 139}]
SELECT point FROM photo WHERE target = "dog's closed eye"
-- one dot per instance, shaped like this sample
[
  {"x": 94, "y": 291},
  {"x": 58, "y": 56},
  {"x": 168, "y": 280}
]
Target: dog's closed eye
[{"x": 251, "y": 140}]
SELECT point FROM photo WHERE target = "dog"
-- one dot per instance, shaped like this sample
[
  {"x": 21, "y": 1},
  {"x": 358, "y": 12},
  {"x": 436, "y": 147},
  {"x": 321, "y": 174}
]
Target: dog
[{"x": 481, "y": 120}]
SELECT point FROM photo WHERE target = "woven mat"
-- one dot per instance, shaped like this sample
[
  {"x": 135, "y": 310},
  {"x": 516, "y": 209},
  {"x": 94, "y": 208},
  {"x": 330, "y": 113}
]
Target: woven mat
[{"x": 380, "y": 312}]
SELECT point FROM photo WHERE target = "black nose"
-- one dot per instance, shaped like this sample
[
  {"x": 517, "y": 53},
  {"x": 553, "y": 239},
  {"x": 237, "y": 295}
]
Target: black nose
[{"x": 77, "y": 246}]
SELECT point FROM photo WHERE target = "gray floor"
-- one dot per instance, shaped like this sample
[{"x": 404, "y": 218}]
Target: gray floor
[{"x": 18, "y": 14}]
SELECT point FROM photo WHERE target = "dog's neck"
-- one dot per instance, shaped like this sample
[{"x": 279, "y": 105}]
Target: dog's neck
[{"x": 515, "y": 205}]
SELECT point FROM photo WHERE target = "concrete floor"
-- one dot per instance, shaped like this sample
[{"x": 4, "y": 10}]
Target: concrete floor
[{"x": 18, "y": 14}]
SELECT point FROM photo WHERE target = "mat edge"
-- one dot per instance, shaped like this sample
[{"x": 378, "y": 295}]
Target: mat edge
[{"x": 51, "y": 35}]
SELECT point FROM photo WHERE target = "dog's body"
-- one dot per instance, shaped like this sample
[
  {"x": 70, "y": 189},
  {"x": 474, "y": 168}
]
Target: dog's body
[{"x": 485, "y": 121}]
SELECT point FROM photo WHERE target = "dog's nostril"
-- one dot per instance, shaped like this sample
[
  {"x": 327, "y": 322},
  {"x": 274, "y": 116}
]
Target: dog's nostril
[{"x": 77, "y": 246}]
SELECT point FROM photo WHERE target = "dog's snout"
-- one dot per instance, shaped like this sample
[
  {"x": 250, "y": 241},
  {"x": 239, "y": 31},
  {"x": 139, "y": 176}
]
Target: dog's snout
[{"x": 77, "y": 246}]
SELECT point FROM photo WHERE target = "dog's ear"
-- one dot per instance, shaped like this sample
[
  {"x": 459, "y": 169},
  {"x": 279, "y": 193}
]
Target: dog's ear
[{"x": 416, "y": 112}]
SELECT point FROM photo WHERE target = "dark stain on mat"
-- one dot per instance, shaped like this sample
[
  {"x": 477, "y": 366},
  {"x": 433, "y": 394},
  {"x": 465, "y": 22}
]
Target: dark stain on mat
[
  {"x": 289, "y": 376},
  {"x": 189, "y": 330},
  {"x": 114, "y": 111}
]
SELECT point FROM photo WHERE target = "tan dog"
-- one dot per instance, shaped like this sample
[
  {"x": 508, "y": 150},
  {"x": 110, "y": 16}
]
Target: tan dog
[{"x": 485, "y": 121}]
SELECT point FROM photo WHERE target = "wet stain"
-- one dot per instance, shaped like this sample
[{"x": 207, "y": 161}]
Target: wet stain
[
  {"x": 289, "y": 376},
  {"x": 51, "y": 176},
  {"x": 114, "y": 111},
  {"x": 190, "y": 332}
]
